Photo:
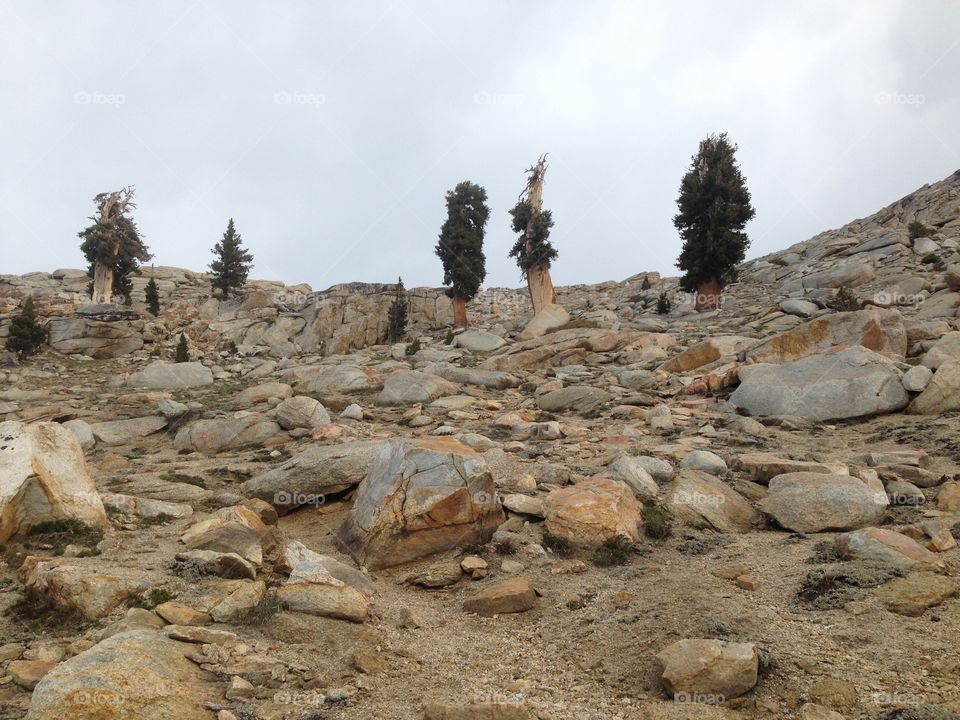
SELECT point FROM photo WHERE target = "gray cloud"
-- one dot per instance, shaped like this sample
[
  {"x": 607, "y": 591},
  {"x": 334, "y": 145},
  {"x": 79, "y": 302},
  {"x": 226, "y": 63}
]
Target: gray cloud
[{"x": 330, "y": 131}]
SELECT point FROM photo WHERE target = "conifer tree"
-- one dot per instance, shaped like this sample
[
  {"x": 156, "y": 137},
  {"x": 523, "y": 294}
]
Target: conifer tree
[
  {"x": 397, "y": 315},
  {"x": 113, "y": 247},
  {"x": 233, "y": 263},
  {"x": 26, "y": 332},
  {"x": 714, "y": 206},
  {"x": 182, "y": 353},
  {"x": 533, "y": 250},
  {"x": 460, "y": 247},
  {"x": 153, "y": 297}
]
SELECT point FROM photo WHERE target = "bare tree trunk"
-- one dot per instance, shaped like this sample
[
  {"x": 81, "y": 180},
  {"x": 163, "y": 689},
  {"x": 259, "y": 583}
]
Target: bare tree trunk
[
  {"x": 539, "y": 283},
  {"x": 460, "y": 312},
  {"x": 102, "y": 283},
  {"x": 113, "y": 206},
  {"x": 541, "y": 289},
  {"x": 708, "y": 296}
]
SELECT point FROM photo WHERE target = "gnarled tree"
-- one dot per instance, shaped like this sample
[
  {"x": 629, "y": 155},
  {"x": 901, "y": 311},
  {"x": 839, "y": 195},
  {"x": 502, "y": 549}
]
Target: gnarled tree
[
  {"x": 533, "y": 250},
  {"x": 112, "y": 246},
  {"x": 714, "y": 206},
  {"x": 460, "y": 247}
]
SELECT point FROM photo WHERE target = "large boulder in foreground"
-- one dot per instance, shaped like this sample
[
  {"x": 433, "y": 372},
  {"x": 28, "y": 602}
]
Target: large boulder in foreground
[
  {"x": 714, "y": 668},
  {"x": 160, "y": 375},
  {"x": 220, "y": 434},
  {"x": 877, "y": 329},
  {"x": 815, "y": 502},
  {"x": 886, "y": 546},
  {"x": 44, "y": 476},
  {"x": 406, "y": 387},
  {"x": 850, "y": 383},
  {"x": 593, "y": 511},
  {"x": 421, "y": 497},
  {"x": 705, "y": 501},
  {"x": 135, "y": 675},
  {"x": 309, "y": 477}
]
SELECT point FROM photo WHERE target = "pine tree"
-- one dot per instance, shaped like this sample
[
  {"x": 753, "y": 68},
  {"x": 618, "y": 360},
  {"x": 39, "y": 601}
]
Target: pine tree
[
  {"x": 714, "y": 206},
  {"x": 397, "y": 315},
  {"x": 182, "y": 353},
  {"x": 460, "y": 247},
  {"x": 26, "y": 332},
  {"x": 153, "y": 297},
  {"x": 533, "y": 250},
  {"x": 233, "y": 263},
  {"x": 113, "y": 247}
]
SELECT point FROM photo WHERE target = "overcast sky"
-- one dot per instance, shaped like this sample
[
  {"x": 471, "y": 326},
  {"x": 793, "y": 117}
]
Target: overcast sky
[{"x": 331, "y": 131}]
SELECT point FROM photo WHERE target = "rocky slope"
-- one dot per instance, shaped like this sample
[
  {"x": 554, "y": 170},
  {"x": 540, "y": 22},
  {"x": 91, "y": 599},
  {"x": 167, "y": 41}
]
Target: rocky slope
[{"x": 746, "y": 514}]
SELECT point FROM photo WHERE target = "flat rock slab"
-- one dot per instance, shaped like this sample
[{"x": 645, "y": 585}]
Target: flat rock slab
[
  {"x": 885, "y": 546},
  {"x": 876, "y": 329},
  {"x": 513, "y": 595},
  {"x": 117, "y": 432},
  {"x": 912, "y": 595},
  {"x": 814, "y": 502},
  {"x": 160, "y": 375},
  {"x": 855, "y": 382}
]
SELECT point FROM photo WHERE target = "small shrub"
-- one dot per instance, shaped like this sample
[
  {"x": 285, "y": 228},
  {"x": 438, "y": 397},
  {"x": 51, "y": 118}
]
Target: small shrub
[
  {"x": 614, "y": 551},
  {"x": 160, "y": 519},
  {"x": 656, "y": 521},
  {"x": 833, "y": 586},
  {"x": 182, "y": 353},
  {"x": 27, "y": 335},
  {"x": 558, "y": 545},
  {"x": 39, "y": 616},
  {"x": 60, "y": 533},
  {"x": 412, "y": 348},
  {"x": 934, "y": 260},
  {"x": 917, "y": 229},
  {"x": 152, "y": 598},
  {"x": 261, "y": 613},
  {"x": 645, "y": 285},
  {"x": 449, "y": 338},
  {"x": 663, "y": 304},
  {"x": 844, "y": 301}
]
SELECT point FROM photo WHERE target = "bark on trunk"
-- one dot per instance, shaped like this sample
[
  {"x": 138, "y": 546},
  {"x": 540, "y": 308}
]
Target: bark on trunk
[
  {"x": 102, "y": 284},
  {"x": 539, "y": 282},
  {"x": 460, "y": 312},
  {"x": 708, "y": 296},
  {"x": 541, "y": 289}
]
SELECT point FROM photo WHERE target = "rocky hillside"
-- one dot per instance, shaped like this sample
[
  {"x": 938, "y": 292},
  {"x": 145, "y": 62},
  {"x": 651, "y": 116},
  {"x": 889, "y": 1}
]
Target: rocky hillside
[{"x": 605, "y": 514}]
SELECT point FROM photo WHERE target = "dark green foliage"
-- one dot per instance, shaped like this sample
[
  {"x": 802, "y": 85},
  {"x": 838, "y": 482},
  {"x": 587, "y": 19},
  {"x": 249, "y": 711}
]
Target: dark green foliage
[
  {"x": 397, "y": 314},
  {"x": 917, "y": 229},
  {"x": 933, "y": 259},
  {"x": 39, "y": 617},
  {"x": 182, "y": 353},
  {"x": 541, "y": 250},
  {"x": 656, "y": 520},
  {"x": 449, "y": 337},
  {"x": 663, "y": 304},
  {"x": 26, "y": 332},
  {"x": 714, "y": 206},
  {"x": 558, "y": 545},
  {"x": 263, "y": 611},
  {"x": 156, "y": 596},
  {"x": 114, "y": 240},
  {"x": 832, "y": 586},
  {"x": 844, "y": 301},
  {"x": 153, "y": 297},
  {"x": 229, "y": 271},
  {"x": 461, "y": 240},
  {"x": 412, "y": 348},
  {"x": 54, "y": 535},
  {"x": 614, "y": 551}
]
